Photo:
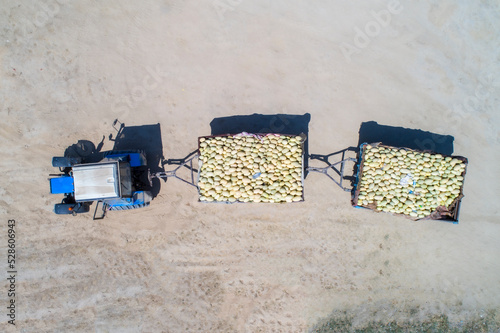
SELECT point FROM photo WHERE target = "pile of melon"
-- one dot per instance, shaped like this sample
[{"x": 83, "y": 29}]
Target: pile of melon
[
  {"x": 251, "y": 168},
  {"x": 408, "y": 182}
]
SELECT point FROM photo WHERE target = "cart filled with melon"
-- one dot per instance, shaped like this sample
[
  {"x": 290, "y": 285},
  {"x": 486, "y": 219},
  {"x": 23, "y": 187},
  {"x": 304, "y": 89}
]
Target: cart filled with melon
[
  {"x": 248, "y": 167},
  {"x": 416, "y": 184}
]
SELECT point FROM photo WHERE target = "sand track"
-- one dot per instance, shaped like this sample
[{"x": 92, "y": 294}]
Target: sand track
[{"x": 68, "y": 69}]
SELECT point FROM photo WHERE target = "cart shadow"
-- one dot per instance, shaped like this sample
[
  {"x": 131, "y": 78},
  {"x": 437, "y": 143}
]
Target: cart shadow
[
  {"x": 371, "y": 132},
  {"x": 259, "y": 123}
]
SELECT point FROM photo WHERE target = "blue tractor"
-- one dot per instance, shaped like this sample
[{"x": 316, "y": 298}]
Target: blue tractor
[{"x": 119, "y": 181}]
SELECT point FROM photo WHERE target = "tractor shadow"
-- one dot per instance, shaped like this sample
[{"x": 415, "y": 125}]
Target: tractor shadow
[
  {"x": 258, "y": 123},
  {"x": 86, "y": 150},
  {"x": 145, "y": 138}
]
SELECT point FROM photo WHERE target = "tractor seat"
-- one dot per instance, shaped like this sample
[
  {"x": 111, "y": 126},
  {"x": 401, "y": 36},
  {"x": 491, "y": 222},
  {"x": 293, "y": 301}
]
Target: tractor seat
[{"x": 62, "y": 185}]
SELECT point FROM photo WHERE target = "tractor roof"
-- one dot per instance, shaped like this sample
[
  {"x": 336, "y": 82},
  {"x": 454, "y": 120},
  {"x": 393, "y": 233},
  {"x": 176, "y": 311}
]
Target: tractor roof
[{"x": 96, "y": 181}]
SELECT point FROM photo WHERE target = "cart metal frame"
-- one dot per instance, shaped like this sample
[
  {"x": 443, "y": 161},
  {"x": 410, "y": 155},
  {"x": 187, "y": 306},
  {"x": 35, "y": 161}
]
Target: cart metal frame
[
  {"x": 339, "y": 172},
  {"x": 186, "y": 162}
]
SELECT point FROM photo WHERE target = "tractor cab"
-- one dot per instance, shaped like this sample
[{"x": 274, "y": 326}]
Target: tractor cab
[{"x": 119, "y": 181}]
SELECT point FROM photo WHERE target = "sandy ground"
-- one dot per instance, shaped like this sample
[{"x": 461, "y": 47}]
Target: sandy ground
[{"x": 69, "y": 68}]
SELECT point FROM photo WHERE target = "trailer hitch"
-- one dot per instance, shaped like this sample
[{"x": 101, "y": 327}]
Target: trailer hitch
[
  {"x": 334, "y": 166},
  {"x": 186, "y": 162}
]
